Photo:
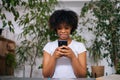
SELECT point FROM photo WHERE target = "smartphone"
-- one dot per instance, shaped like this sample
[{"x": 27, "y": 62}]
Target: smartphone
[{"x": 62, "y": 42}]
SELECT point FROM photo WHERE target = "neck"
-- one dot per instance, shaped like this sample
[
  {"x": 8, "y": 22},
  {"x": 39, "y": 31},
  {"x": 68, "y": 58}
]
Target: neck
[{"x": 69, "y": 40}]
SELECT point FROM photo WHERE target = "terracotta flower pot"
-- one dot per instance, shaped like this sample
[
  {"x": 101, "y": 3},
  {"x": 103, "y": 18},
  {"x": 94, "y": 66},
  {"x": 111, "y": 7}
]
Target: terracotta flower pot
[{"x": 97, "y": 71}]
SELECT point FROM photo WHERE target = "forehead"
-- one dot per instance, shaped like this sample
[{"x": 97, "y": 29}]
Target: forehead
[{"x": 64, "y": 25}]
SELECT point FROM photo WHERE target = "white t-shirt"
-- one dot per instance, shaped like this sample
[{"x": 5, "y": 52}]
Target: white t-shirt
[{"x": 63, "y": 67}]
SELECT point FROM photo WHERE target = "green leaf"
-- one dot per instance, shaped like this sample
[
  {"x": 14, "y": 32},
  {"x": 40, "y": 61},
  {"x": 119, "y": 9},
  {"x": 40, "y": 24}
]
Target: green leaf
[{"x": 4, "y": 24}]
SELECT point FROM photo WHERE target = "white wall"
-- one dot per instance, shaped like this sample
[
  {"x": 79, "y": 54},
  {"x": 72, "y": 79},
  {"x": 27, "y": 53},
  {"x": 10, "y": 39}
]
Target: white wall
[{"x": 74, "y": 5}]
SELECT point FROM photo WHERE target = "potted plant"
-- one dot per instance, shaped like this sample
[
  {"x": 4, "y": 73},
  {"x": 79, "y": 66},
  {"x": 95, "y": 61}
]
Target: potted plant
[
  {"x": 96, "y": 56},
  {"x": 10, "y": 63},
  {"x": 105, "y": 25}
]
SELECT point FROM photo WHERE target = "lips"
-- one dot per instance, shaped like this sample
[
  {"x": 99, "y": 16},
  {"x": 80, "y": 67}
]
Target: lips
[{"x": 63, "y": 36}]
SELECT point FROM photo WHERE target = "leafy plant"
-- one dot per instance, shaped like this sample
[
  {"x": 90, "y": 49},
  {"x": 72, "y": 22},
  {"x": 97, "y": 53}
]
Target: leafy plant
[
  {"x": 35, "y": 30},
  {"x": 105, "y": 25},
  {"x": 9, "y": 6},
  {"x": 10, "y": 63},
  {"x": 95, "y": 51},
  {"x": 28, "y": 52},
  {"x": 118, "y": 68},
  {"x": 11, "y": 60}
]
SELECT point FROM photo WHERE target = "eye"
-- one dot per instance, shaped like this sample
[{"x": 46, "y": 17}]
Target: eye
[
  {"x": 67, "y": 27},
  {"x": 59, "y": 28}
]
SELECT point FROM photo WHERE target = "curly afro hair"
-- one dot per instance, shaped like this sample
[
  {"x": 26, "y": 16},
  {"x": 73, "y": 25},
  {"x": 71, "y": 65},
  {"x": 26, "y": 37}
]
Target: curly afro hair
[{"x": 63, "y": 16}]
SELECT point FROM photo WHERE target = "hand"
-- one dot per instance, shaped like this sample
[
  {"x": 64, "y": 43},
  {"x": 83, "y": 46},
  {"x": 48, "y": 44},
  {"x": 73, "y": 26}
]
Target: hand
[
  {"x": 67, "y": 52},
  {"x": 57, "y": 53}
]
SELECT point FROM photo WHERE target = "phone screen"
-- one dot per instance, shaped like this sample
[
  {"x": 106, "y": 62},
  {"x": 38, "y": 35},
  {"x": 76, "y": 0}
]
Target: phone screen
[{"x": 62, "y": 42}]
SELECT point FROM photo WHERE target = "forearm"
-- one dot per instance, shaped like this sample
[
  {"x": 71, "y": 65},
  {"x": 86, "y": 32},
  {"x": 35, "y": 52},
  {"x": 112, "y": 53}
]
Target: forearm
[
  {"x": 79, "y": 69},
  {"x": 48, "y": 69}
]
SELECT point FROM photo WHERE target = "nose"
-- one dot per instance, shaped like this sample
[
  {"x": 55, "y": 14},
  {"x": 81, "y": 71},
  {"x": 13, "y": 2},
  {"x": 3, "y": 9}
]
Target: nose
[{"x": 62, "y": 30}]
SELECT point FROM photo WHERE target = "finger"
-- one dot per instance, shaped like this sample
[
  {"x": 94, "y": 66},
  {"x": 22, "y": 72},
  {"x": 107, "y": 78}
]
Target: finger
[
  {"x": 62, "y": 50},
  {"x": 61, "y": 47},
  {"x": 61, "y": 53},
  {"x": 65, "y": 47},
  {"x": 57, "y": 49}
]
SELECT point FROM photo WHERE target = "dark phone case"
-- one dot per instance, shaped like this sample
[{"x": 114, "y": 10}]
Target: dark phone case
[{"x": 62, "y": 42}]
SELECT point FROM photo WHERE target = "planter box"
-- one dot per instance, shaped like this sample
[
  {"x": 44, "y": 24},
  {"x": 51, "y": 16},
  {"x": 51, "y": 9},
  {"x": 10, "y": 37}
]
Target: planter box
[{"x": 6, "y": 46}]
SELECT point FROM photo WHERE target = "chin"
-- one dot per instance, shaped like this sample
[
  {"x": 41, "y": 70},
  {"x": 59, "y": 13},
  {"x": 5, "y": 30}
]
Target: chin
[{"x": 63, "y": 38}]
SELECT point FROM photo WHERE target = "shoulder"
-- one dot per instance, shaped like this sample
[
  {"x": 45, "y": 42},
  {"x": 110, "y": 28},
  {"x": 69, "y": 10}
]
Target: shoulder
[
  {"x": 78, "y": 46},
  {"x": 50, "y": 47},
  {"x": 51, "y": 43}
]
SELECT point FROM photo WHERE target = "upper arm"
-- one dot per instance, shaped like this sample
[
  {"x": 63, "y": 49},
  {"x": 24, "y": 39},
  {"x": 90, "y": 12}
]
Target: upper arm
[
  {"x": 46, "y": 58},
  {"x": 82, "y": 59}
]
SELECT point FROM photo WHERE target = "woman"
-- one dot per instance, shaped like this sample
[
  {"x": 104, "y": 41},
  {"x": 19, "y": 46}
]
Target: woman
[{"x": 69, "y": 62}]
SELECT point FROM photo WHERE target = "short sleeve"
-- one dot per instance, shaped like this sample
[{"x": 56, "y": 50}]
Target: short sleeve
[
  {"x": 77, "y": 47},
  {"x": 47, "y": 47},
  {"x": 81, "y": 48},
  {"x": 50, "y": 47}
]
